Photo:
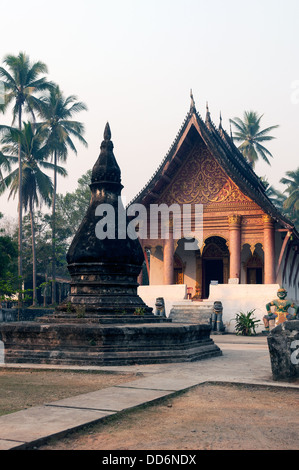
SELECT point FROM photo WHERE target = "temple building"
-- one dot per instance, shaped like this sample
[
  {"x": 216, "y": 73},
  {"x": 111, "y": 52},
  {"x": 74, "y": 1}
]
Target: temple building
[{"x": 244, "y": 239}]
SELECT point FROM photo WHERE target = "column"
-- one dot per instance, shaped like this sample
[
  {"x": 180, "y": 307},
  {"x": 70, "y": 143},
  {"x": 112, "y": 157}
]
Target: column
[
  {"x": 234, "y": 222},
  {"x": 168, "y": 258},
  {"x": 269, "y": 250}
]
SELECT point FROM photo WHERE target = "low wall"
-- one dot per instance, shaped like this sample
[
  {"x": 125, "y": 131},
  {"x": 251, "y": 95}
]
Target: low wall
[
  {"x": 170, "y": 293},
  {"x": 237, "y": 298},
  {"x": 26, "y": 314}
]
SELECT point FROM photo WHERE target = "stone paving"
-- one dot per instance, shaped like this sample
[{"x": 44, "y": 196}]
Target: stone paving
[{"x": 244, "y": 360}]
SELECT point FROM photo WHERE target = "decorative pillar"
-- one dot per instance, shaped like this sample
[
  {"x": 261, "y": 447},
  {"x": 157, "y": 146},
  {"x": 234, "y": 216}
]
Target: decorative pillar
[
  {"x": 168, "y": 258},
  {"x": 269, "y": 250},
  {"x": 234, "y": 222}
]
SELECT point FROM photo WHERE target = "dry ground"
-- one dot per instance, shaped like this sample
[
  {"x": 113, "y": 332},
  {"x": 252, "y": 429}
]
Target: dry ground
[
  {"x": 20, "y": 389},
  {"x": 209, "y": 416}
]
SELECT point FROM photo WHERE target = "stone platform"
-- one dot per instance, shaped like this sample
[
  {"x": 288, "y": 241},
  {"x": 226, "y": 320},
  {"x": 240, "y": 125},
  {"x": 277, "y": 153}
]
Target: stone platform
[
  {"x": 82, "y": 343},
  {"x": 187, "y": 311}
]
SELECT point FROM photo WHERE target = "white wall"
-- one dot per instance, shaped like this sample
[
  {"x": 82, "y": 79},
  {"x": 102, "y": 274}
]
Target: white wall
[
  {"x": 237, "y": 298},
  {"x": 171, "y": 294}
]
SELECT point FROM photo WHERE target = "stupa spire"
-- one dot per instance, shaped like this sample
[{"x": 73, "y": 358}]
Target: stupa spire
[
  {"x": 106, "y": 168},
  {"x": 107, "y": 132}
]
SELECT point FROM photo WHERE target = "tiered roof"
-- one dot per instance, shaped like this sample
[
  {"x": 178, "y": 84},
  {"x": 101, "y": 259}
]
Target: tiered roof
[{"x": 223, "y": 149}]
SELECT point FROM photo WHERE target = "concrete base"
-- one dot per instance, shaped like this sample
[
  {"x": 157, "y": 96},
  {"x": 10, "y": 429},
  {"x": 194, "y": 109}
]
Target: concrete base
[{"x": 96, "y": 344}]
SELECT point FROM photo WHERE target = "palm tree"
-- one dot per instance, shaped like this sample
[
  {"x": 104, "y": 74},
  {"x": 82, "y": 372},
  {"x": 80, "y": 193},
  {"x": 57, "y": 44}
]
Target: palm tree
[
  {"x": 21, "y": 81},
  {"x": 37, "y": 187},
  {"x": 250, "y": 134},
  {"x": 5, "y": 164},
  {"x": 291, "y": 203},
  {"x": 57, "y": 112}
]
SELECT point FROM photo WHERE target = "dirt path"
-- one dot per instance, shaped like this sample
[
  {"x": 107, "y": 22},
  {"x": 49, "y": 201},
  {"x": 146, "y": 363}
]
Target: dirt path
[{"x": 211, "y": 417}]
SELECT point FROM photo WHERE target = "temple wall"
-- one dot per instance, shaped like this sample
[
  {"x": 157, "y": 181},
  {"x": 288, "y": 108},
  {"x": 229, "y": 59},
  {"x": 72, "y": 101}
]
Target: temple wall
[
  {"x": 156, "y": 266},
  {"x": 189, "y": 263},
  {"x": 171, "y": 294},
  {"x": 238, "y": 298}
]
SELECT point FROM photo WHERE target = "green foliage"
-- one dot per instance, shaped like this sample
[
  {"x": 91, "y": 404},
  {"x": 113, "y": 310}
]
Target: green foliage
[
  {"x": 71, "y": 208},
  {"x": 10, "y": 289},
  {"x": 291, "y": 203},
  {"x": 80, "y": 311},
  {"x": 139, "y": 311},
  {"x": 246, "y": 323},
  {"x": 22, "y": 81},
  {"x": 252, "y": 136},
  {"x": 8, "y": 255}
]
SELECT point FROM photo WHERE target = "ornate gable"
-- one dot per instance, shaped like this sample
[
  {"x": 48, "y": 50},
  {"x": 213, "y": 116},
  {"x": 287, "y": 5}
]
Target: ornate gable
[{"x": 201, "y": 180}]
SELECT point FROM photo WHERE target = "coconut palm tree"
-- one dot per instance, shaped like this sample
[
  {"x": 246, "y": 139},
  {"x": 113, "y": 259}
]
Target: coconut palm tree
[
  {"x": 21, "y": 80},
  {"x": 5, "y": 164},
  {"x": 57, "y": 113},
  {"x": 291, "y": 203},
  {"x": 251, "y": 135},
  {"x": 37, "y": 187}
]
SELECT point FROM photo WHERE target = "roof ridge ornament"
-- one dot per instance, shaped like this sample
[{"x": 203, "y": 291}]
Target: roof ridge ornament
[
  {"x": 208, "y": 115},
  {"x": 192, "y": 105},
  {"x": 220, "y": 123}
]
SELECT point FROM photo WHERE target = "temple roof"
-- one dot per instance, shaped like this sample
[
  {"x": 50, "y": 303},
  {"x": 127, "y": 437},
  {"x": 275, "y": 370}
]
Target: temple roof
[{"x": 223, "y": 149}]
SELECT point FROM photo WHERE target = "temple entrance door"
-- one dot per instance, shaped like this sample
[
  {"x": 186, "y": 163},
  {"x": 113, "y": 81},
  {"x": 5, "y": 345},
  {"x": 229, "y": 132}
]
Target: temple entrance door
[
  {"x": 254, "y": 270},
  {"x": 254, "y": 276},
  {"x": 212, "y": 271},
  {"x": 215, "y": 260},
  {"x": 178, "y": 270}
]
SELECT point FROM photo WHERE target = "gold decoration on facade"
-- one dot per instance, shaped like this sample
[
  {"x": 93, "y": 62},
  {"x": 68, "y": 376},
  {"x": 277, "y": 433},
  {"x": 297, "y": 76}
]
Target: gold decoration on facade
[
  {"x": 201, "y": 180},
  {"x": 234, "y": 219},
  {"x": 230, "y": 193},
  {"x": 267, "y": 219}
]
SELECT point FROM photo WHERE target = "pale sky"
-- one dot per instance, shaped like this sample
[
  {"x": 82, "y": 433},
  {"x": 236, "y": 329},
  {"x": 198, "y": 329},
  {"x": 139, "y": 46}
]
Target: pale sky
[{"x": 133, "y": 62}]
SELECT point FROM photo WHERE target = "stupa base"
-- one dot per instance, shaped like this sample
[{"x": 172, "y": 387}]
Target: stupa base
[
  {"x": 102, "y": 318},
  {"x": 106, "y": 345}
]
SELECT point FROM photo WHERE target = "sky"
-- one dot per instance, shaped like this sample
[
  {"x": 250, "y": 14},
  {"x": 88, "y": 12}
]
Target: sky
[{"x": 133, "y": 63}]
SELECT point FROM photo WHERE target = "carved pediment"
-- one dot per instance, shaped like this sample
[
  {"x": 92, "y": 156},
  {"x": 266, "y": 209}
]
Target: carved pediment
[{"x": 201, "y": 180}]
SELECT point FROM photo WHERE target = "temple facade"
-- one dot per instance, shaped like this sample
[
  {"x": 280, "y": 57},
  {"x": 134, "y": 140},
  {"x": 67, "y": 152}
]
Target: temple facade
[{"x": 240, "y": 237}]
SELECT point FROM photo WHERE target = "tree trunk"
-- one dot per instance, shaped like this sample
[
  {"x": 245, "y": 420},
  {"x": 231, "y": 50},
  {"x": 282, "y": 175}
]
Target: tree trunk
[
  {"x": 20, "y": 207},
  {"x": 54, "y": 231},
  {"x": 45, "y": 291},
  {"x": 33, "y": 256}
]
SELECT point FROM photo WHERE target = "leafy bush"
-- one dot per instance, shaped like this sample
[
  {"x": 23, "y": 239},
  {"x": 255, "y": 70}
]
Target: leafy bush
[{"x": 245, "y": 323}]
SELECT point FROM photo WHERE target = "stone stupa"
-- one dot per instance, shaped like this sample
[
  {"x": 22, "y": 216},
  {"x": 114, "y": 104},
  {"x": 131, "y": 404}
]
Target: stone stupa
[
  {"x": 104, "y": 271},
  {"x": 104, "y": 321}
]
